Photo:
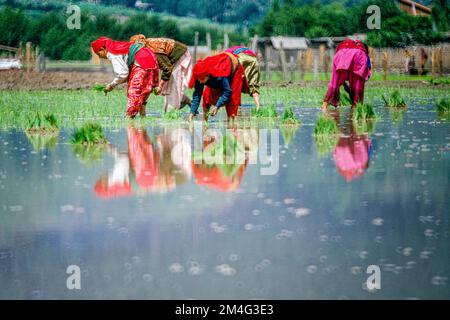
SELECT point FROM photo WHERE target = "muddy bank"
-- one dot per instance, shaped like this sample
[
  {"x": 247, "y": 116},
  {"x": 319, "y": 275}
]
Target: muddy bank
[{"x": 19, "y": 79}]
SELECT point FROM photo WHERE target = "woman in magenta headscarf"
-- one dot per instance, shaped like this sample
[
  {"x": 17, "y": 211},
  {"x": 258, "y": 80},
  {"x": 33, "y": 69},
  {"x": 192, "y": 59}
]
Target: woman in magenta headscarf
[
  {"x": 351, "y": 63},
  {"x": 132, "y": 62}
]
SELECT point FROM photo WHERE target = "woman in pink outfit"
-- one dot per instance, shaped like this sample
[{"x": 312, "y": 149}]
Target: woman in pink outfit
[{"x": 351, "y": 63}]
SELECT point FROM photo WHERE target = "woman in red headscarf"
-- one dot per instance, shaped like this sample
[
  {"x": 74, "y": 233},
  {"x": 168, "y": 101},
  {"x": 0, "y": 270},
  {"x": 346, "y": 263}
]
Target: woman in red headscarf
[
  {"x": 224, "y": 79},
  {"x": 132, "y": 62}
]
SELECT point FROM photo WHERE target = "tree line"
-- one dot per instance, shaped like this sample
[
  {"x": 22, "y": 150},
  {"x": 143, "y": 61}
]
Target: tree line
[
  {"x": 314, "y": 20},
  {"x": 57, "y": 41}
]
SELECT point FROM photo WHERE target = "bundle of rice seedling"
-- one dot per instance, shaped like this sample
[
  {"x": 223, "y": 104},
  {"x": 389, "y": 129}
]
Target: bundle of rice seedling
[
  {"x": 395, "y": 100},
  {"x": 174, "y": 114},
  {"x": 325, "y": 126},
  {"x": 289, "y": 117},
  {"x": 443, "y": 106},
  {"x": 98, "y": 87},
  {"x": 364, "y": 112},
  {"x": 89, "y": 134},
  {"x": 344, "y": 99},
  {"x": 42, "y": 123},
  {"x": 265, "y": 112}
]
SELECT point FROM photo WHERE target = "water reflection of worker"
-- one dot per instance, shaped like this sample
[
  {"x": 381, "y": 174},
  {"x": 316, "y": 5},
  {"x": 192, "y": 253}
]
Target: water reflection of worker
[
  {"x": 151, "y": 165},
  {"x": 226, "y": 177},
  {"x": 117, "y": 182},
  {"x": 352, "y": 152}
]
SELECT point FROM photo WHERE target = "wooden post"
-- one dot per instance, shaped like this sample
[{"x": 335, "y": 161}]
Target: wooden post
[
  {"x": 19, "y": 51},
  {"x": 208, "y": 42},
  {"x": 322, "y": 57},
  {"x": 283, "y": 62},
  {"x": 300, "y": 62},
  {"x": 37, "y": 61},
  {"x": 195, "y": 46},
  {"x": 440, "y": 64},
  {"x": 292, "y": 65},
  {"x": 255, "y": 43},
  {"x": 267, "y": 62},
  {"x": 385, "y": 65},
  {"x": 226, "y": 41},
  {"x": 316, "y": 65},
  {"x": 433, "y": 61},
  {"x": 28, "y": 56}
]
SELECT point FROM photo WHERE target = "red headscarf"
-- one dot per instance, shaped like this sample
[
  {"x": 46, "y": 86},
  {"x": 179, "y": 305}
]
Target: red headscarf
[
  {"x": 351, "y": 44},
  {"x": 115, "y": 47},
  {"x": 217, "y": 66}
]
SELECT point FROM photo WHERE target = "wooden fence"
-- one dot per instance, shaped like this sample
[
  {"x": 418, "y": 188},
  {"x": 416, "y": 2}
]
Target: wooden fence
[{"x": 293, "y": 64}]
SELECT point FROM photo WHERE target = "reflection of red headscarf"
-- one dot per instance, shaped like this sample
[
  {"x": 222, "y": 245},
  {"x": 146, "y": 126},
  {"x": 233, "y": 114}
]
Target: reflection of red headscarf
[
  {"x": 103, "y": 190},
  {"x": 144, "y": 159},
  {"x": 115, "y": 47},
  {"x": 214, "y": 178},
  {"x": 217, "y": 66}
]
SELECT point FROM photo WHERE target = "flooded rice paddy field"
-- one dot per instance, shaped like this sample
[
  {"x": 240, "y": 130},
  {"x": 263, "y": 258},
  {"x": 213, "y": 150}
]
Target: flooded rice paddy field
[{"x": 295, "y": 218}]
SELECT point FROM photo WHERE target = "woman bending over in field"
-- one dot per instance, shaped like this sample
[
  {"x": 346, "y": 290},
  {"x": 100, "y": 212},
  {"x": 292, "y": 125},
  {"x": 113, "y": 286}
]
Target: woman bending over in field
[
  {"x": 249, "y": 62},
  {"x": 175, "y": 63},
  {"x": 351, "y": 63},
  {"x": 224, "y": 79},
  {"x": 132, "y": 62}
]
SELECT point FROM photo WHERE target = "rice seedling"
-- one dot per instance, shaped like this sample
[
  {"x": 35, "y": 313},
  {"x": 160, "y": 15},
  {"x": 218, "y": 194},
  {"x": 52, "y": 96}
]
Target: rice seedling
[
  {"x": 364, "y": 112},
  {"x": 42, "y": 123},
  {"x": 73, "y": 108},
  {"x": 394, "y": 101},
  {"x": 265, "y": 112},
  {"x": 288, "y": 117},
  {"x": 172, "y": 115},
  {"x": 344, "y": 99},
  {"x": 443, "y": 108},
  {"x": 326, "y": 135},
  {"x": 325, "y": 126},
  {"x": 439, "y": 81},
  {"x": 89, "y": 134},
  {"x": 99, "y": 87}
]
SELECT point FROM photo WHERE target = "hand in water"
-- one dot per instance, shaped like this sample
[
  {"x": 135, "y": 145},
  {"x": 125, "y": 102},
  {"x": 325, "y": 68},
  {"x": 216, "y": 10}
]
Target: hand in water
[
  {"x": 191, "y": 117},
  {"x": 214, "y": 111},
  {"x": 108, "y": 88}
]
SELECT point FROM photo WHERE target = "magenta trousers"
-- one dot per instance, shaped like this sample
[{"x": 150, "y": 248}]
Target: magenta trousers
[{"x": 355, "y": 87}]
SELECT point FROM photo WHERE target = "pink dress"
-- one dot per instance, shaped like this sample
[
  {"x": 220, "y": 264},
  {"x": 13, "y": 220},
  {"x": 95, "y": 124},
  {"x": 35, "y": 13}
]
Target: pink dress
[{"x": 349, "y": 64}]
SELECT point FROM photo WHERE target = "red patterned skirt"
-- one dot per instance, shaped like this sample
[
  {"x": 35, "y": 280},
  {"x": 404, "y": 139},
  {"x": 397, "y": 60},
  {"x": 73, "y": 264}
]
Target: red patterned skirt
[{"x": 140, "y": 84}]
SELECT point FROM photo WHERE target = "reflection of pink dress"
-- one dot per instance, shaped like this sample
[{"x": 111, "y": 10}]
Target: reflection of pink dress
[
  {"x": 351, "y": 156},
  {"x": 351, "y": 65}
]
